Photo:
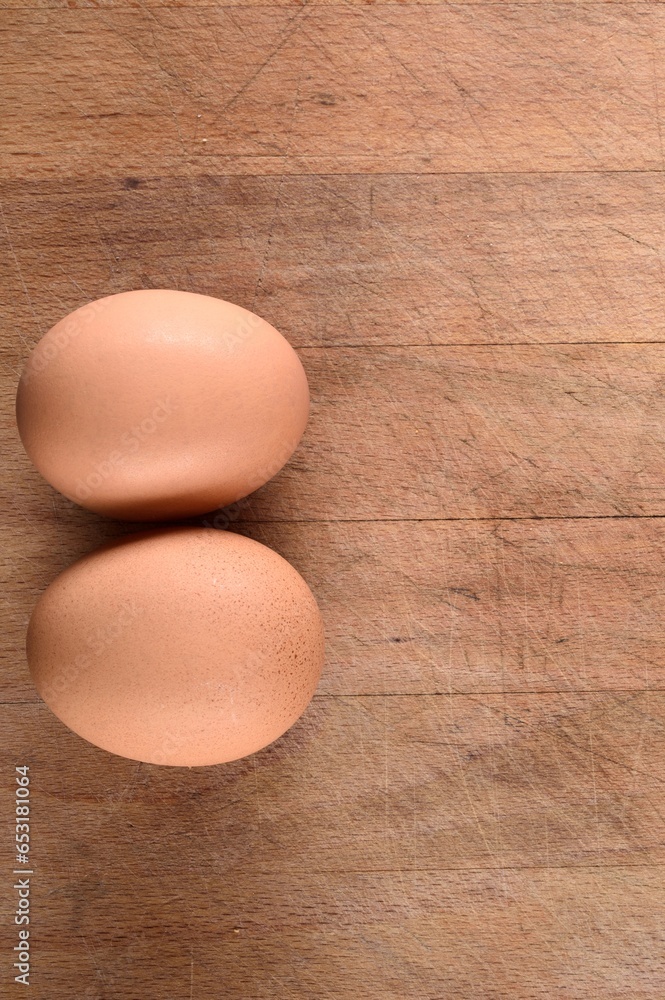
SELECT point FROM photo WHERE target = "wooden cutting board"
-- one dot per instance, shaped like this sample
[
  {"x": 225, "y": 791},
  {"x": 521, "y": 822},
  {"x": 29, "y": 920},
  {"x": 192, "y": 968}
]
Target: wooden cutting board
[{"x": 455, "y": 213}]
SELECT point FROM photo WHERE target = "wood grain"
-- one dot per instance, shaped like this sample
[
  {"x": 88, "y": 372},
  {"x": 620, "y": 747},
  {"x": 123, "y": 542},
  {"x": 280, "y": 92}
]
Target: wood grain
[
  {"x": 417, "y": 260},
  {"x": 455, "y": 845},
  {"x": 334, "y": 89},
  {"x": 185, "y": 4},
  {"x": 299, "y": 935},
  {"x": 421, "y": 608},
  {"x": 454, "y": 213},
  {"x": 368, "y": 784},
  {"x": 467, "y": 432},
  {"x": 485, "y": 606}
]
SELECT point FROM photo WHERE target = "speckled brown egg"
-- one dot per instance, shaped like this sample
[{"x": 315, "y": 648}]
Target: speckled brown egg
[
  {"x": 157, "y": 404},
  {"x": 185, "y": 646}
]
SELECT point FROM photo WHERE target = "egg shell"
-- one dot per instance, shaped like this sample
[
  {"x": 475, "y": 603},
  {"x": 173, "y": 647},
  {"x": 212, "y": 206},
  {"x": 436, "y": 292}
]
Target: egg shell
[
  {"x": 184, "y": 646},
  {"x": 157, "y": 404}
]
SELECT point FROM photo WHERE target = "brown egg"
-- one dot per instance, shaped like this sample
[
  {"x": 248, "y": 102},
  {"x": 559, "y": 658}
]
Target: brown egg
[
  {"x": 158, "y": 404},
  {"x": 185, "y": 646}
]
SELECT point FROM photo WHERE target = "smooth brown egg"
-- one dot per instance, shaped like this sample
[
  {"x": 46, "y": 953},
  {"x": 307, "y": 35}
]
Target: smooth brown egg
[
  {"x": 184, "y": 646},
  {"x": 157, "y": 404}
]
